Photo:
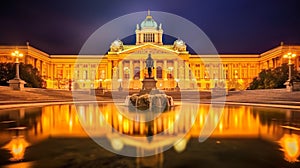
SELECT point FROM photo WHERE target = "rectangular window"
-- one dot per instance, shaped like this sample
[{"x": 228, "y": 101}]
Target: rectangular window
[
  {"x": 85, "y": 74},
  {"x": 93, "y": 74},
  {"x": 77, "y": 74}
]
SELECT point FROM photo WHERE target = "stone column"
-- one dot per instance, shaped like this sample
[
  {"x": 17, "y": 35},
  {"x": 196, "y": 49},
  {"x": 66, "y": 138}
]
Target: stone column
[
  {"x": 141, "y": 70},
  {"x": 186, "y": 71},
  {"x": 154, "y": 70},
  {"x": 109, "y": 69},
  {"x": 240, "y": 71},
  {"x": 175, "y": 69},
  {"x": 54, "y": 71},
  {"x": 186, "y": 74},
  {"x": 63, "y": 71},
  {"x": 202, "y": 71},
  {"x": 160, "y": 37},
  {"x": 248, "y": 71},
  {"x": 165, "y": 70},
  {"x": 41, "y": 68},
  {"x": 230, "y": 72},
  {"x": 71, "y": 70},
  {"x": 120, "y": 70},
  {"x": 131, "y": 70},
  {"x": 137, "y": 38},
  {"x": 142, "y": 37}
]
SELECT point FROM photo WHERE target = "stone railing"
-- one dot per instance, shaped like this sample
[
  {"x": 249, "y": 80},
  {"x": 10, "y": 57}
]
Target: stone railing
[{"x": 296, "y": 86}]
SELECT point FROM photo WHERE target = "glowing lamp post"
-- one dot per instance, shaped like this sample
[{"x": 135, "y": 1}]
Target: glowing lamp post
[
  {"x": 18, "y": 55},
  {"x": 120, "y": 86},
  {"x": 177, "y": 88},
  {"x": 17, "y": 83},
  {"x": 289, "y": 56}
]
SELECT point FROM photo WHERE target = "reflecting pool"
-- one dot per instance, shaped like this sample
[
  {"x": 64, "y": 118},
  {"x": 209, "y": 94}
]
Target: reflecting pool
[{"x": 107, "y": 135}]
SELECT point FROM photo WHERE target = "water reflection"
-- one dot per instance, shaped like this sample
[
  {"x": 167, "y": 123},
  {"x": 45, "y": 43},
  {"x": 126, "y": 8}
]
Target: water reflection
[
  {"x": 17, "y": 147},
  {"x": 290, "y": 147},
  {"x": 106, "y": 121}
]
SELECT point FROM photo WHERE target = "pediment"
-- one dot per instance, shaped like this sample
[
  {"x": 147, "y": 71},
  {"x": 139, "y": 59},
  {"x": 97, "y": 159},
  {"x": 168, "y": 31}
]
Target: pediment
[{"x": 149, "y": 48}]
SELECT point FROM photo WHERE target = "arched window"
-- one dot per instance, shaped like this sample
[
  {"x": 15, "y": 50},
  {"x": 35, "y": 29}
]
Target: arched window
[
  {"x": 159, "y": 72},
  {"x": 136, "y": 73}
]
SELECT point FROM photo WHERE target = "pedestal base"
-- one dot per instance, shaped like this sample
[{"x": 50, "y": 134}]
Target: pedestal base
[
  {"x": 16, "y": 84},
  {"x": 148, "y": 85},
  {"x": 177, "y": 88},
  {"x": 289, "y": 86},
  {"x": 218, "y": 92}
]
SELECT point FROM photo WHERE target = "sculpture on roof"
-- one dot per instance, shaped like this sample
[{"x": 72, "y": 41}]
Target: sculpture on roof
[{"x": 116, "y": 46}]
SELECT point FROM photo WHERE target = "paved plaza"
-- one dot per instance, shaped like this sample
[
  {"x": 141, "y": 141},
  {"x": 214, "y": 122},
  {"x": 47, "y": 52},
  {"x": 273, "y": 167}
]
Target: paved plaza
[{"x": 34, "y": 95}]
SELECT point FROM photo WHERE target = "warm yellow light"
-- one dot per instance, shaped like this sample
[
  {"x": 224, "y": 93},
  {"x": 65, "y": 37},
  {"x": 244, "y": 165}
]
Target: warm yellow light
[
  {"x": 180, "y": 145},
  {"x": 17, "y": 54},
  {"x": 117, "y": 144},
  {"x": 70, "y": 125},
  {"x": 289, "y": 55},
  {"x": 17, "y": 147},
  {"x": 120, "y": 117},
  {"x": 126, "y": 126},
  {"x": 290, "y": 147}
]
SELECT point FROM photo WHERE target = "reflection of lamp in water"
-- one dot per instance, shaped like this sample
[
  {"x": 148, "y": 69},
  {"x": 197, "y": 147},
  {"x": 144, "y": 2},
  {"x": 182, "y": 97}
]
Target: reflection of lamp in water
[
  {"x": 17, "y": 147},
  {"x": 290, "y": 146},
  {"x": 117, "y": 144},
  {"x": 180, "y": 145}
]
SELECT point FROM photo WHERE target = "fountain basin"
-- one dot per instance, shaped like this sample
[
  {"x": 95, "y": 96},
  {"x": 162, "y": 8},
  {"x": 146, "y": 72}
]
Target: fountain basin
[{"x": 149, "y": 100}]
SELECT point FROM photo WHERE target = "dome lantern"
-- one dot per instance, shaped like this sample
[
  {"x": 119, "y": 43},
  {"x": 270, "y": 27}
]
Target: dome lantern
[{"x": 148, "y": 31}]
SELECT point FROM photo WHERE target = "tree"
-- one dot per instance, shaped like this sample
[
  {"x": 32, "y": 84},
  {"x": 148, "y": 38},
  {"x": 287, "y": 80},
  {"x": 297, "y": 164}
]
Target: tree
[
  {"x": 28, "y": 73},
  {"x": 6, "y": 73},
  {"x": 271, "y": 79}
]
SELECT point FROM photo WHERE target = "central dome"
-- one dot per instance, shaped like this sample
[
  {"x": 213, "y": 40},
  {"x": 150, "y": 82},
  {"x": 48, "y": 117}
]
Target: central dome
[{"x": 149, "y": 22}]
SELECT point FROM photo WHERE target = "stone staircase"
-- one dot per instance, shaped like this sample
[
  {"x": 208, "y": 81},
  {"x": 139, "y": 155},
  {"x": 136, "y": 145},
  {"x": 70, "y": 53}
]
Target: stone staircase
[{"x": 37, "y": 94}]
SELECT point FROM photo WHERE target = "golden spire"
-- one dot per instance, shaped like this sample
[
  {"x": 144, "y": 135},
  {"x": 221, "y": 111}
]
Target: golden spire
[{"x": 148, "y": 15}]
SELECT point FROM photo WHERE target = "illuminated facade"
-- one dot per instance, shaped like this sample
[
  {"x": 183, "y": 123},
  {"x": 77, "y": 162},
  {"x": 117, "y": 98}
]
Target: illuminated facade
[{"x": 125, "y": 64}]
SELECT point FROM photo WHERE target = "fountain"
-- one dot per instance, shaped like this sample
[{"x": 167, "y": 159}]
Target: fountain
[{"x": 149, "y": 96}]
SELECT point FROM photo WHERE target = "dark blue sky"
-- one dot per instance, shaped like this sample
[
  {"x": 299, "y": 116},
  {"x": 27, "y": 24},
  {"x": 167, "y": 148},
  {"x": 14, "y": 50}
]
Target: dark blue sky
[{"x": 234, "y": 26}]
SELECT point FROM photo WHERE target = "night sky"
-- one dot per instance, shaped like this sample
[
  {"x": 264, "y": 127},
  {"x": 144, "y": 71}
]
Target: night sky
[{"x": 234, "y": 26}]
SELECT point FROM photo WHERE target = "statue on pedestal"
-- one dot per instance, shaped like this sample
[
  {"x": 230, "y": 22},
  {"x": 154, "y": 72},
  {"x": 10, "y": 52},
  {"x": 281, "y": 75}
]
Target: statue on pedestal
[{"x": 149, "y": 65}]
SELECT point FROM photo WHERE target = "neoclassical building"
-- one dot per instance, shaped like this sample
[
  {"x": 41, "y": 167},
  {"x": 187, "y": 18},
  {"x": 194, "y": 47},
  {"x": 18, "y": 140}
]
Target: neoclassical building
[{"x": 125, "y": 64}]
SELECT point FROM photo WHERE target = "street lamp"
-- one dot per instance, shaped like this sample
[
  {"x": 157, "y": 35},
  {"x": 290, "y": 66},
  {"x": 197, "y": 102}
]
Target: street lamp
[
  {"x": 289, "y": 56},
  {"x": 120, "y": 86},
  {"x": 18, "y": 55},
  {"x": 177, "y": 88},
  {"x": 17, "y": 83}
]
